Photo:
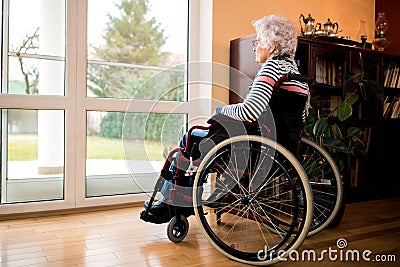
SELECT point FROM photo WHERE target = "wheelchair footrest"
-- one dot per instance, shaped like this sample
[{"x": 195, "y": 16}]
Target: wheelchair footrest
[
  {"x": 155, "y": 218},
  {"x": 165, "y": 216}
]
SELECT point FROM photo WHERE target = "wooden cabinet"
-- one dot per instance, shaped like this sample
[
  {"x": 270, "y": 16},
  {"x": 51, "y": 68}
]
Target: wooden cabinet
[
  {"x": 242, "y": 58},
  {"x": 330, "y": 63}
]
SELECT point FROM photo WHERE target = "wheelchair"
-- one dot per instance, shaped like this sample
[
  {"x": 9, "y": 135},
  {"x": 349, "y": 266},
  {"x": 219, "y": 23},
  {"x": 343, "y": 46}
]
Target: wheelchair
[{"x": 253, "y": 199}]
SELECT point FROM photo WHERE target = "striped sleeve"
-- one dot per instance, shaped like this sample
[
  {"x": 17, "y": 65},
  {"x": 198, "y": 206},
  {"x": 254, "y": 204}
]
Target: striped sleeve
[
  {"x": 261, "y": 90},
  {"x": 258, "y": 98}
]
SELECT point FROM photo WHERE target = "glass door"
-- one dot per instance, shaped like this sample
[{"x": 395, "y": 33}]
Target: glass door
[
  {"x": 136, "y": 62},
  {"x": 93, "y": 94},
  {"x": 33, "y": 134}
]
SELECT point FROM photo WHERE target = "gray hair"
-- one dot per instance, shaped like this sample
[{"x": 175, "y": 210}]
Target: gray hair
[{"x": 277, "y": 32}]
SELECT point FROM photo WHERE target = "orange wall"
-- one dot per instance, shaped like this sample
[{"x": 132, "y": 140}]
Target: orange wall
[{"x": 232, "y": 19}]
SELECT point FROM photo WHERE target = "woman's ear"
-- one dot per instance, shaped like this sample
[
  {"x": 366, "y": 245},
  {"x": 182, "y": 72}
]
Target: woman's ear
[{"x": 272, "y": 47}]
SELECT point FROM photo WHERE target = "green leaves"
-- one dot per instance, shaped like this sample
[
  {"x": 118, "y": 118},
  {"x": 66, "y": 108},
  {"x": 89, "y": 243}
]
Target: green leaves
[
  {"x": 377, "y": 88},
  {"x": 354, "y": 131},
  {"x": 337, "y": 144},
  {"x": 320, "y": 127},
  {"x": 344, "y": 111}
]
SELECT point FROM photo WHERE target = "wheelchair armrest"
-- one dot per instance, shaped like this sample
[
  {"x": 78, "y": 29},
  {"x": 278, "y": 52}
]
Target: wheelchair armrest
[
  {"x": 222, "y": 119},
  {"x": 219, "y": 118}
]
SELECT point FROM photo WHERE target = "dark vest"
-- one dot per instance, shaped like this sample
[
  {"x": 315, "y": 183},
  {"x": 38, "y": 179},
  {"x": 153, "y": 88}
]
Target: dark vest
[{"x": 287, "y": 108}]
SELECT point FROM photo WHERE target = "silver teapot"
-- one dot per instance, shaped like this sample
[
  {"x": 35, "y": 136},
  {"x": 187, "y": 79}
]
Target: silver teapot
[
  {"x": 309, "y": 26},
  {"x": 331, "y": 29}
]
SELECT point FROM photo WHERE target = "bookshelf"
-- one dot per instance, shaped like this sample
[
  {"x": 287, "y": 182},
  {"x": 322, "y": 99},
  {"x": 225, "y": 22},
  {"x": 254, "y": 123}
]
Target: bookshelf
[
  {"x": 389, "y": 126},
  {"x": 328, "y": 63},
  {"x": 391, "y": 84}
]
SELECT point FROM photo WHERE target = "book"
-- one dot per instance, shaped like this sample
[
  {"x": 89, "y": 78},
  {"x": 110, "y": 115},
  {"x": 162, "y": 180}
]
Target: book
[
  {"x": 394, "y": 78},
  {"x": 395, "y": 109},
  {"x": 391, "y": 107},
  {"x": 386, "y": 104},
  {"x": 319, "y": 70},
  {"x": 334, "y": 102},
  {"x": 386, "y": 74},
  {"x": 329, "y": 71}
]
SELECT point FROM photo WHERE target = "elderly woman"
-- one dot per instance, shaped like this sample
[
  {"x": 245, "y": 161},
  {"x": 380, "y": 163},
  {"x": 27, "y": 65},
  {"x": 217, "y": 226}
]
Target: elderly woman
[{"x": 274, "y": 47}]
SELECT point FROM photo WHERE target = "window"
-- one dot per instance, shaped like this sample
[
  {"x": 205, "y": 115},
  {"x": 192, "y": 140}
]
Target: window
[
  {"x": 34, "y": 157},
  {"x": 129, "y": 42},
  {"x": 137, "y": 50},
  {"x": 33, "y": 135},
  {"x": 126, "y": 151},
  {"x": 35, "y": 50},
  {"x": 81, "y": 89}
]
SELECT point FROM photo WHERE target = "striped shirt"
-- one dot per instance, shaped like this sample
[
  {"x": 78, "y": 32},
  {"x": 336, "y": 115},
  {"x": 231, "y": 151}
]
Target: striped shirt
[{"x": 261, "y": 90}]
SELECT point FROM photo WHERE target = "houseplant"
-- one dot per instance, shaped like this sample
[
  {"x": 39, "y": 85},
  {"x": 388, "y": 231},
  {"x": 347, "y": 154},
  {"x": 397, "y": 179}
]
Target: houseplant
[{"x": 331, "y": 132}]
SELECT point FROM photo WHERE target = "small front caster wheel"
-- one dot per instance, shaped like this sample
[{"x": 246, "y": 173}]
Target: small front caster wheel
[{"x": 177, "y": 228}]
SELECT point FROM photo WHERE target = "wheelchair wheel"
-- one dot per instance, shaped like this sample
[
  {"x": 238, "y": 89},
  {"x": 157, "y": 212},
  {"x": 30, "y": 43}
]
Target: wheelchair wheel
[
  {"x": 252, "y": 200},
  {"x": 177, "y": 228},
  {"x": 326, "y": 184}
]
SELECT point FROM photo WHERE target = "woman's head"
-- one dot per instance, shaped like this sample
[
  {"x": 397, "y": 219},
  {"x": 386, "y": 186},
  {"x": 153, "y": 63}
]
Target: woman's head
[{"x": 275, "y": 34}]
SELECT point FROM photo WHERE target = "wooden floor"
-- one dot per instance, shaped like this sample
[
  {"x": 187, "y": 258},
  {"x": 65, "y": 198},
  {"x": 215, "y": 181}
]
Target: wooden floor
[{"x": 119, "y": 238}]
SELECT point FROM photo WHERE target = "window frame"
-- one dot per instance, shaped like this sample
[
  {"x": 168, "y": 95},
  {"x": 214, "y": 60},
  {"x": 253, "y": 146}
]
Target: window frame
[{"x": 75, "y": 103}]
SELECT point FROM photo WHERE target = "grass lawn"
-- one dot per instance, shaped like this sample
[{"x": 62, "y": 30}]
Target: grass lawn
[
  {"x": 24, "y": 147},
  {"x": 108, "y": 148}
]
